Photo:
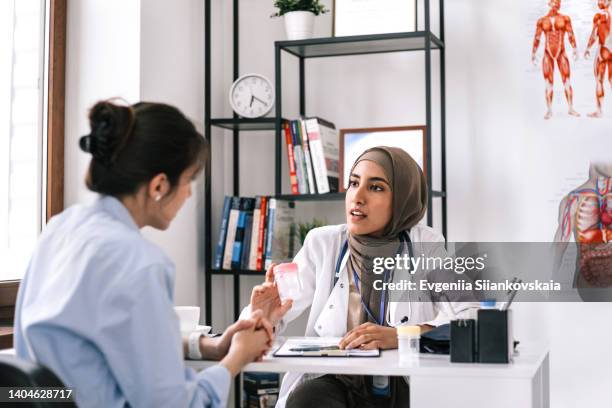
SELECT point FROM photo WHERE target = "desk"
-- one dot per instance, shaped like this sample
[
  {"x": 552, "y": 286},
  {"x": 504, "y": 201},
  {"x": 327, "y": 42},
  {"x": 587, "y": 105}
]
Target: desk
[{"x": 435, "y": 382}]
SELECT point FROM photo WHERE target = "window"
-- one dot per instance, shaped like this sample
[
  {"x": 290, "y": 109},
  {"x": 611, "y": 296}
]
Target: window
[
  {"x": 32, "y": 49},
  {"x": 21, "y": 123}
]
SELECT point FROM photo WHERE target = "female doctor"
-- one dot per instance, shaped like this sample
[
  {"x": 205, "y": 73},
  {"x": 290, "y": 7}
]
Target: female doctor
[
  {"x": 96, "y": 303},
  {"x": 385, "y": 200}
]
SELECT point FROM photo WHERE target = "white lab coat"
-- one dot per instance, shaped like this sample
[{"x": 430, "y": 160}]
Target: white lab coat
[{"x": 328, "y": 306}]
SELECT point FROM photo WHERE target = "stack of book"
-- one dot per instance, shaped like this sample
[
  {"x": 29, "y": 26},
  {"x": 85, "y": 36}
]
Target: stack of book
[
  {"x": 255, "y": 232},
  {"x": 312, "y": 151},
  {"x": 260, "y": 390}
]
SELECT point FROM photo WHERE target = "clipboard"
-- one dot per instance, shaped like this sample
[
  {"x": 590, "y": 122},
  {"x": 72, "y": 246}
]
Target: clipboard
[{"x": 319, "y": 347}]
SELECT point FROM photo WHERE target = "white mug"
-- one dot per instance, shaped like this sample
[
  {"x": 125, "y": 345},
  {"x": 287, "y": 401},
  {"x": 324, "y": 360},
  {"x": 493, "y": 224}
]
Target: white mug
[{"x": 189, "y": 317}]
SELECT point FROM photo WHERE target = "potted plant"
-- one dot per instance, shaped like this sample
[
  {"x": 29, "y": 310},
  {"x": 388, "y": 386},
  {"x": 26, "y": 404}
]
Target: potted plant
[
  {"x": 304, "y": 228},
  {"x": 299, "y": 16}
]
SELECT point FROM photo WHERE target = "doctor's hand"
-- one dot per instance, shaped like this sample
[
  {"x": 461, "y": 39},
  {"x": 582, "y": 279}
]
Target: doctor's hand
[
  {"x": 265, "y": 298},
  {"x": 369, "y": 336}
]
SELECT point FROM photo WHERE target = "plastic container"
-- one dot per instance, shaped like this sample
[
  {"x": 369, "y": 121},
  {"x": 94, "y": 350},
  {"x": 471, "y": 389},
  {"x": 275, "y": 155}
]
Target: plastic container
[
  {"x": 287, "y": 279},
  {"x": 408, "y": 343}
]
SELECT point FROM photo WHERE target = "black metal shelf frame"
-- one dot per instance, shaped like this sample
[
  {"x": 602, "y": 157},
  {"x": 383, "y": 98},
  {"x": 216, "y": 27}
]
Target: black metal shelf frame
[
  {"x": 372, "y": 44},
  {"x": 421, "y": 41}
]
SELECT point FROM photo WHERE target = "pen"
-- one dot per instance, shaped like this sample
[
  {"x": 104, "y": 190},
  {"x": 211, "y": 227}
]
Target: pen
[
  {"x": 314, "y": 348},
  {"x": 511, "y": 295}
]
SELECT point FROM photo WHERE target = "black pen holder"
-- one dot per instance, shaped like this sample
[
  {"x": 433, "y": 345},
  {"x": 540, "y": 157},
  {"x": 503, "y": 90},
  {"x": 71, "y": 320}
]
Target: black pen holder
[
  {"x": 495, "y": 340},
  {"x": 463, "y": 341}
]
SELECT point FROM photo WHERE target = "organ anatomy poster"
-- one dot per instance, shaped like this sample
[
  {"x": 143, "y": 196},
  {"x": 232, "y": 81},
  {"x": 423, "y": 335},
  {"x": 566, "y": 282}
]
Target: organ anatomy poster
[
  {"x": 585, "y": 217},
  {"x": 571, "y": 53}
]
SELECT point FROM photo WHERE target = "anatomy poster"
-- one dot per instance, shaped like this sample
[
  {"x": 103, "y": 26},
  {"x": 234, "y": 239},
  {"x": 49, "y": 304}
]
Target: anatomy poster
[
  {"x": 585, "y": 217},
  {"x": 571, "y": 58}
]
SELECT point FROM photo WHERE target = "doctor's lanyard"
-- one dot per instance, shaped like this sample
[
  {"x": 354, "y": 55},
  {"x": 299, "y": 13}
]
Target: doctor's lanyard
[{"x": 404, "y": 238}]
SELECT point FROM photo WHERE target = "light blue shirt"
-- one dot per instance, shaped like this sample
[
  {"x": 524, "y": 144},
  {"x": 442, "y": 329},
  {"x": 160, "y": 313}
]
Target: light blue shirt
[{"x": 95, "y": 306}]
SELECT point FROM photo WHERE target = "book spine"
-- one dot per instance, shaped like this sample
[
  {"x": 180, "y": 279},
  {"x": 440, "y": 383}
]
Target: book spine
[
  {"x": 297, "y": 151},
  {"x": 291, "y": 157},
  {"x": 252, "y": 264},
  {"x": 298, "y": 133},
  {"x": 270, "y": 234},
  {"x": 231, "y": 232},
  {"x": 246, "y": 208},
  {"x": 329, "y": 138},
  {"x": 283, "y": 232},
  {"x": 237, "y": 247},
  {"x": 261, "y": 234},
  {"x": 222, "y": 232},
  {"x": 307, "y": 158},
  {"x": 246, "y": 244},
  {"x": 318, "y": 155}
]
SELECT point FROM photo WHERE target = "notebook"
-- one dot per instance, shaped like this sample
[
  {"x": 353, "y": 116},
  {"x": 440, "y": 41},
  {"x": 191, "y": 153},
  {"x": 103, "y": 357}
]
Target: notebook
[{"x": 319, "y": 347}]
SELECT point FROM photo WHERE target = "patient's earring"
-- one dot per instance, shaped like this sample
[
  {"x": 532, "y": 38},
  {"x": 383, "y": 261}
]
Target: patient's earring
[{"x": 158, "y": 198}]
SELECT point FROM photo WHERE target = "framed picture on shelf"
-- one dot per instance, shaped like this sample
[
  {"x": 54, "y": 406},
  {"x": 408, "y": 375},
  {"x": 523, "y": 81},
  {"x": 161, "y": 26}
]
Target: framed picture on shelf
[
  {"x": 361, "y": 17},
  {"x": 353, "y": 142}
]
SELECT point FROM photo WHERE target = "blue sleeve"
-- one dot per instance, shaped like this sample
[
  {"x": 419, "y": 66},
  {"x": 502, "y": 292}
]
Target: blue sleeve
[{"x": 141, "y": 341}]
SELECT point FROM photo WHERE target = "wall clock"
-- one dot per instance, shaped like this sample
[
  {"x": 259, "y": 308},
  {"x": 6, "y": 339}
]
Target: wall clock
[{"x": 252, "y": 96}]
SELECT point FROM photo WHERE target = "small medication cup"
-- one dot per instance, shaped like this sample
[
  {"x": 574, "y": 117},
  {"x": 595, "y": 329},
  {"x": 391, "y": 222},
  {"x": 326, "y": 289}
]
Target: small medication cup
[
  {"x": 288, "y": 281},
  {"x": 408, "y": 339}
]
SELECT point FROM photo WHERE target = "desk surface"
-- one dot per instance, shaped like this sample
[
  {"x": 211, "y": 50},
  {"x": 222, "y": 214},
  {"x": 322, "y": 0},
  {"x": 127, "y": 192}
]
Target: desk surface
[{"x": 526, "y": 363}]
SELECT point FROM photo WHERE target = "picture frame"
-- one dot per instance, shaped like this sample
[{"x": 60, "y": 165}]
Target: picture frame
[
  {"x": 353, "y": 142},
  {"x": 363, "y": 17}
]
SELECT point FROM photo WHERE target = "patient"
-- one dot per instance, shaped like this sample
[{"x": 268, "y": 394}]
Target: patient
[{"x": 96, "y": 302}]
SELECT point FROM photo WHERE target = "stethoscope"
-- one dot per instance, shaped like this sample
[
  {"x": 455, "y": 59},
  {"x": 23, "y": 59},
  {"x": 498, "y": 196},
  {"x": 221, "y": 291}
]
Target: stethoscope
[{"x": 387, "y": 276}]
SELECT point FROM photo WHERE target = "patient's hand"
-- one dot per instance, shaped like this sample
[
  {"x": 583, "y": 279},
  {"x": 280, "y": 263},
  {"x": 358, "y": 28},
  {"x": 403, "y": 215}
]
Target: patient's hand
[
  {"x": 265, "y": 298},
  {"x": 370, "y": 336},
  {"x": 247, "y": 345},
  {"x": 217, "y": 348}
]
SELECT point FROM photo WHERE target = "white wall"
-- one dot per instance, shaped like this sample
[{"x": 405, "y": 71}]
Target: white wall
[
  {"x": 153, "y": 52},
  {"x": 100, "y": 63},
  {"x": 171, "y": 71}
]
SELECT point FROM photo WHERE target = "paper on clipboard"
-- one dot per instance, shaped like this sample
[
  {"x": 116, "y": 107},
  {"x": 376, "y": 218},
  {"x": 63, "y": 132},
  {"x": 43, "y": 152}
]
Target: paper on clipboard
[{"x": 319, "y": 347}]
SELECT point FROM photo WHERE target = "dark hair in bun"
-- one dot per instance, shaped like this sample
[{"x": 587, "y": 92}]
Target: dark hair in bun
[
  {"x": 111, "y": 126},
  {"x": 132, "y": 144}
]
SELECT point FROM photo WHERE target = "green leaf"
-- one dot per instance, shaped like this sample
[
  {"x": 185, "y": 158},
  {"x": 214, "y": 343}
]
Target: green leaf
[{"x": 286, "y": 6}]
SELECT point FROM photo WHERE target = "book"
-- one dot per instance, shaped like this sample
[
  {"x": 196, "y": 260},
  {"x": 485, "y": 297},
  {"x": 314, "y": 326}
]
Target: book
[
  {"x": 246, "y": 245},
  {"x": 307, "y": 160},
  {"x": 252, "y": 260},
  {"x": 222, "y": 232},
  {"x": 269, "y": 229},
  {"x": 255, "y": 383},
  {"x": 231, "y": 232},
  {"x": 246, "y": 207},
  {"x": 281, "y": 232},
  {"x": 324, "y": 150},
  {"x": 262, "y": 233},
  {"x": 291, "y": 158},
  {"x": 299, "y": 159}
]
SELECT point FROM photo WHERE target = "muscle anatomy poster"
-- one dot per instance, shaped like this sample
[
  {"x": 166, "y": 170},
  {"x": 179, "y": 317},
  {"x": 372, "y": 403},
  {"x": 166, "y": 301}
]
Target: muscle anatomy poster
[{"x": 571, "y": 57}]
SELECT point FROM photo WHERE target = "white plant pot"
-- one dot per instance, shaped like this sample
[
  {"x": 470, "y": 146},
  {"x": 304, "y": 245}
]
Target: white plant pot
[{"x": 299, "y": 25}]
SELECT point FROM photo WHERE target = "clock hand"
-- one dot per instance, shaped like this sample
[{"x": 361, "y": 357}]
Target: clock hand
[
  {"x": 259, "y": 100},
  {"x": 252, "y": 97}
]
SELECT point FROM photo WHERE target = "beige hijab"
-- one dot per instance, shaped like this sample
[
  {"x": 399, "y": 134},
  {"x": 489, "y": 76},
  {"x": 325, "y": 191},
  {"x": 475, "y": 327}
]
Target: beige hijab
[{"x": 410, "y": 195}]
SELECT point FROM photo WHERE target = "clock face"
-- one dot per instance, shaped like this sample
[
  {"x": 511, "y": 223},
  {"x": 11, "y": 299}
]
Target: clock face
[{"x": 252, "y": 96}]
